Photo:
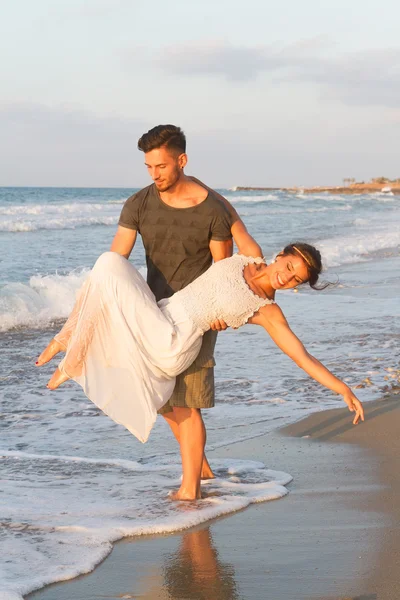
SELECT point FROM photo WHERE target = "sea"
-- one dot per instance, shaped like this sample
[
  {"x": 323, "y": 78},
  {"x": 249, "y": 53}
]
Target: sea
[{"x": 72, "y": 481}]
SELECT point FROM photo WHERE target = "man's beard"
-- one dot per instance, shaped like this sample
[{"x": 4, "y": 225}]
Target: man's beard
[{"x": 166, "y": 185}]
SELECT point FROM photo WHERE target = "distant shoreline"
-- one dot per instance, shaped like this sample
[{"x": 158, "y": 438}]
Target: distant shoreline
[{"x": 358, "y": 188}]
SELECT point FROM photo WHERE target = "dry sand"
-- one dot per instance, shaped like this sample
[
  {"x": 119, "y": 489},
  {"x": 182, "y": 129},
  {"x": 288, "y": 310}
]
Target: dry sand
[{"x": 334, "y": 537}]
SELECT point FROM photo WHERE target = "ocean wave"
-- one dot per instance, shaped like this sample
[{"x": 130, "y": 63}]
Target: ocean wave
[
  {"x": 64, "y": 223},
  {"x": 254, "y": 198},
  {"x": 34, "y": 217},
  {"x": 359, "y": 247},
  {"x": 40, "y": 302}
]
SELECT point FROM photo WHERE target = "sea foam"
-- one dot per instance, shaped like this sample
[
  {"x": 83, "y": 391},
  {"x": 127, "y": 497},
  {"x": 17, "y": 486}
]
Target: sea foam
[{"x": 65, "y": 530}]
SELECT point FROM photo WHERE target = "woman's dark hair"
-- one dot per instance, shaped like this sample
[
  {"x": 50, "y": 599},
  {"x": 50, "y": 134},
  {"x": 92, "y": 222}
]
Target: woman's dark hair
[
  {"x": 170, "y": 136},
  {"x": 312, "y": 258}
]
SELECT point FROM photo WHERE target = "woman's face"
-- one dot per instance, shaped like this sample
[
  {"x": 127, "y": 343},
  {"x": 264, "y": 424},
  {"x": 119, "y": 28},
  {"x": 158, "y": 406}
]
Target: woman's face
[{"x": 287, "y": 272}]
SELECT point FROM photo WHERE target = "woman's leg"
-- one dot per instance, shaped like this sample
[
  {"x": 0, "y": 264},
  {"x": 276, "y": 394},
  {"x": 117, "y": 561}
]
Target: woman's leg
[
  {"x": 60, "y": 341},
  {"x": 50, "y": 352},
  {"x": 109, "y": 291},
  {"x": 57, "y": 379},
  {"x": 76, "y": 335}
]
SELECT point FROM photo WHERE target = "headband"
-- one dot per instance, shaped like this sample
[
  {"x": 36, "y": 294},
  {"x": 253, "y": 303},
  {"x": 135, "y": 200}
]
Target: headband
[{"x": 306, "y": 260}]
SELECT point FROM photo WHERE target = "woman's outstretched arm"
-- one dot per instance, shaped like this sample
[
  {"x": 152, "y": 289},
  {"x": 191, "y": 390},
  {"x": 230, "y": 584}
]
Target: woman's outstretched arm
[{"x": 274, "y": 322}]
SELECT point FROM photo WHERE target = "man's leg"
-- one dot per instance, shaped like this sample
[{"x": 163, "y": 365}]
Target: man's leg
[
  {"x": 194, "y": 390},
  {"x": 192, "y": 440},
  {"x": 206, "y": 471}
]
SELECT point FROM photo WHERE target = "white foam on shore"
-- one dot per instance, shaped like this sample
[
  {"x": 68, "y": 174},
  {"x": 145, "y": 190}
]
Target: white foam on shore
[{"x": 64, "y": 531}]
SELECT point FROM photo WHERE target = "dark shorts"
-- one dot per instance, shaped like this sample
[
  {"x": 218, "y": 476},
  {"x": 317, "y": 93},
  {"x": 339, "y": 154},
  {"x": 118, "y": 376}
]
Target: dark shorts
[{"x": 194, "y": 387}]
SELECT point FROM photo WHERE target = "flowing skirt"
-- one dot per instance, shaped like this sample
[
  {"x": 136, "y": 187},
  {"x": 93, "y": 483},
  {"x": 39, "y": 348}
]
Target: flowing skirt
[{"x": 124, "y": 349}]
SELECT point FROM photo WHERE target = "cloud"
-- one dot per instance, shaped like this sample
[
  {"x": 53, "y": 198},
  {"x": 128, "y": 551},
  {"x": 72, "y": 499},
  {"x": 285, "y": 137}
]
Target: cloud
[
  {"x": 236, "y": 63},
  {"x": 43, "y": 145},
  {"x": 367, "y": 77},
  {"x": 97, "y": 9},
  {"x": 60, "y": 145}
]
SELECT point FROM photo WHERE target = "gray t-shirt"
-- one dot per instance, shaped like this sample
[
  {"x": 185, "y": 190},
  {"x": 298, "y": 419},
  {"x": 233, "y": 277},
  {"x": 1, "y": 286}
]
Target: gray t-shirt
[{"x": 176, "y": 242}]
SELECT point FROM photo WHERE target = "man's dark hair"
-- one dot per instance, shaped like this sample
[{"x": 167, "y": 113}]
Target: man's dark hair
[{"x": 170, "y": 136}]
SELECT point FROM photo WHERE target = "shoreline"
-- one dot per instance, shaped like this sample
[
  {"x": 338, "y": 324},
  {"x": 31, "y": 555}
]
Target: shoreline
[
  {"x": 342, "y": 190},
  {"x": 334, "y": 536}
]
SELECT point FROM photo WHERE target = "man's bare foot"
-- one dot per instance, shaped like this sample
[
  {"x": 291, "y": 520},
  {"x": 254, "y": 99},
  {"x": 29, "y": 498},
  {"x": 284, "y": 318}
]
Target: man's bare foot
[
  {"x": 206, "y": 471},
  {"x": 57, "y": 379},
  {"x": 52, "y": 349},
  {"x": 182, "y": 495},
  {"x": 207, "y": 474}
]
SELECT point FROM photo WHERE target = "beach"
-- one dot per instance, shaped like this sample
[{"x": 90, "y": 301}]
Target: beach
[
  {"x": 335, "y": 536},
  {"x": 75, "y": 485}
]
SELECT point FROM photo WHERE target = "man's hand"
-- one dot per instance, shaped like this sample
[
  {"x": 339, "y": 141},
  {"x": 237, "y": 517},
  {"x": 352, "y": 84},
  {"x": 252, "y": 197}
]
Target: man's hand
[{"x": 218, "y": 325}]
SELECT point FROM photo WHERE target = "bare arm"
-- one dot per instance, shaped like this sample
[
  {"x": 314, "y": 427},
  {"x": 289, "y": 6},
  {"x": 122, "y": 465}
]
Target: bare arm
[
  {"x": 274, "y": 322},
  {"x": 124, "y": 241},
  {"x": 246, "y": 244},
  {"x": 220, "y": 250}
]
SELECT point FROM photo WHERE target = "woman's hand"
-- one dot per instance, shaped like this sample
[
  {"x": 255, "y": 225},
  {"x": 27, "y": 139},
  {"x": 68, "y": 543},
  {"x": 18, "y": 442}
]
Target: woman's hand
[{"x": 354, "y": 406}]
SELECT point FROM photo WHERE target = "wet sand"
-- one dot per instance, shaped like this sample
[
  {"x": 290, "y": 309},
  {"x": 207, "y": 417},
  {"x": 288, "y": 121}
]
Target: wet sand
[{"x": 334, "y": 537}]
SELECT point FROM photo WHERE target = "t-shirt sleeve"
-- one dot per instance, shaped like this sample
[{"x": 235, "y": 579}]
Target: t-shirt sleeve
[
  {"x": 130, "y": 214},
  {"x": 221, "y": 224}
]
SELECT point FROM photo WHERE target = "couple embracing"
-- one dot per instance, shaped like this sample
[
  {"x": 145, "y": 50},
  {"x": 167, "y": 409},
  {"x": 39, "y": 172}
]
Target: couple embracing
[{"x": 139, "y": 348}]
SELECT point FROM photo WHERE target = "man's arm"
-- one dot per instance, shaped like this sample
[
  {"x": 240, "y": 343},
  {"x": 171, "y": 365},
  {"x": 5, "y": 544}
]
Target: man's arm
[
  {"x": 124, "y": 241},
  {"x": 233, "y": 214},
  {"x": 220, "y": 250},
  {"x": 246, "y": 244}
]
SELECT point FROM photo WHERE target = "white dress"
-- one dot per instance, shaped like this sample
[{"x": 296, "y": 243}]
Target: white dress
[{"x": 125, "y": 349}]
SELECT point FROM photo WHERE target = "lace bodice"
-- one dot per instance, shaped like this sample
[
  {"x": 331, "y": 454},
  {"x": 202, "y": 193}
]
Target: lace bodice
[{"x": 221, "y": 293}]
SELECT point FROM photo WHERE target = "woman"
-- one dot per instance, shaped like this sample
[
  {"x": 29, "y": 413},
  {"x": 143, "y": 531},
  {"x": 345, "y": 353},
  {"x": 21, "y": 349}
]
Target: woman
[{"x": 125, "y": 349}]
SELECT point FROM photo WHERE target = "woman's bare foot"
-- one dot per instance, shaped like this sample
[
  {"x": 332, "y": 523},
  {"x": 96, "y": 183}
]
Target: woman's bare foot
[
  {"x": 57, "y": 379},
  {"x": 52, "y": 349}
]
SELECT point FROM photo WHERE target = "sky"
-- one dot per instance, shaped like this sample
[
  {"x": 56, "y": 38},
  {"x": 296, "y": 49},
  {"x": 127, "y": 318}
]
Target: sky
[{"x": 269, "y": 93}]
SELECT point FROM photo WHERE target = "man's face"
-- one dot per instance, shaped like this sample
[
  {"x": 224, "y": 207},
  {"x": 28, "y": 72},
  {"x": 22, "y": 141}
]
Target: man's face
[{"x": 165, "y": 167}]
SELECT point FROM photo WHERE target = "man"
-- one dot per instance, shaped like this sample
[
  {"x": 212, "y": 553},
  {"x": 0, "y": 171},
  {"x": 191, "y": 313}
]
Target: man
[{"x": 184, "y": 226}]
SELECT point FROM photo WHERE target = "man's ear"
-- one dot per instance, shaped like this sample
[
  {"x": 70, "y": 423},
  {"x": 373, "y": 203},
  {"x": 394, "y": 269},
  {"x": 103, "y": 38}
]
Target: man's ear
[{"x": 182, "y": 161}]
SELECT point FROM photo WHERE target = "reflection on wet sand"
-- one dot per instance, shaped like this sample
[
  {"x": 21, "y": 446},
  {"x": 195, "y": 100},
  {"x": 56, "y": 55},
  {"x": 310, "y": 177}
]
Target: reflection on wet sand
[{"x": 194, "y": 571}]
